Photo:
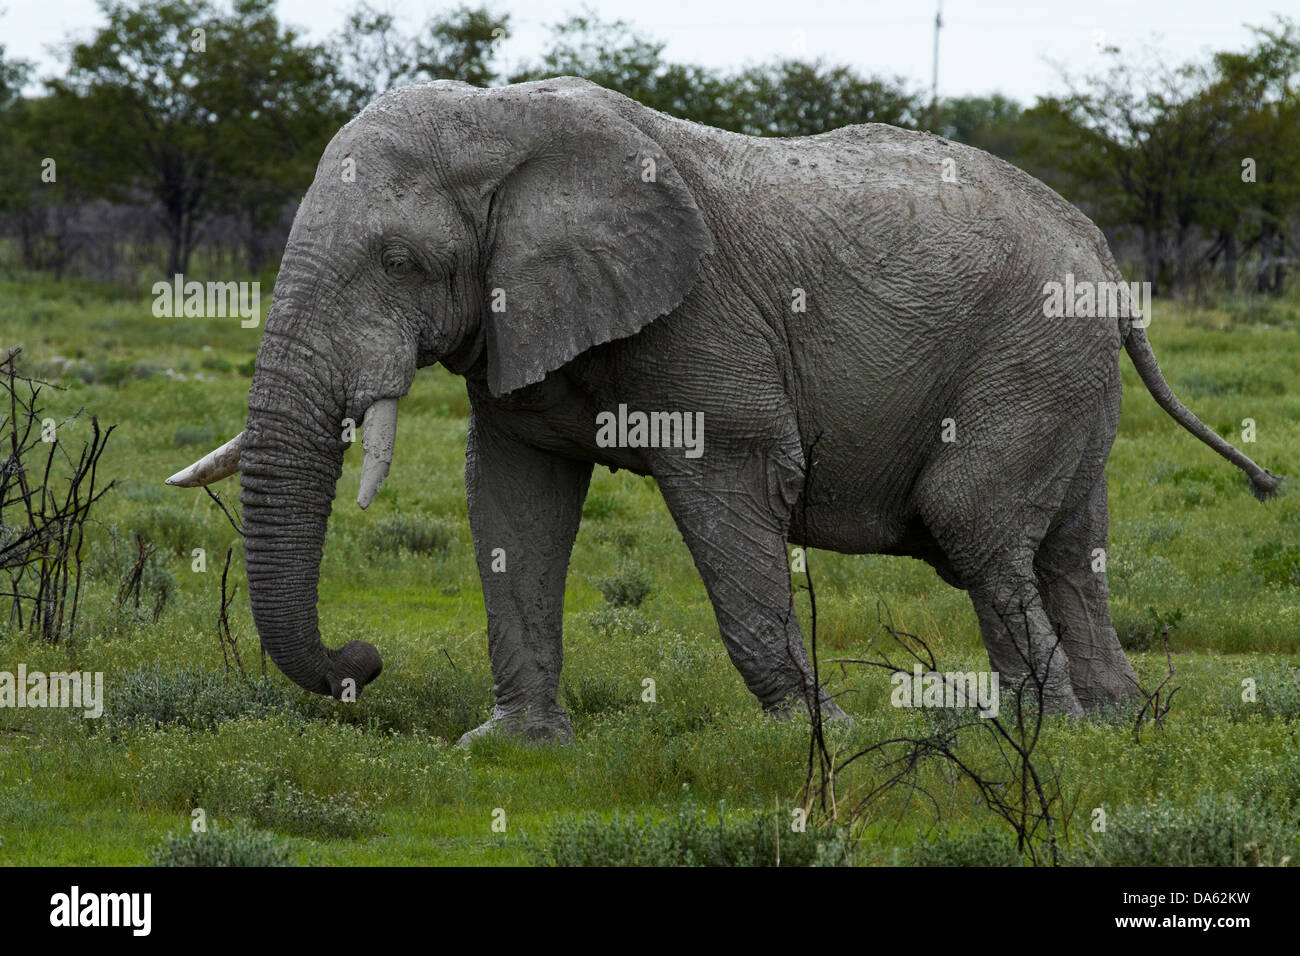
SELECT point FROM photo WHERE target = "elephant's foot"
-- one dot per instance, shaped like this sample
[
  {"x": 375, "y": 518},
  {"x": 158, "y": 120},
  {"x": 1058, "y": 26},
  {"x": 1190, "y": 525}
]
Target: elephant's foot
[
  {"x": 1058, "y": 702},
  {"x": 1102, "y": 675},
  {"x": 795, "y": 704},
  {"x": 1056, "y": 698},
  {"x": 1115, "y": 694},
  {"x": 551, "y": 726}
]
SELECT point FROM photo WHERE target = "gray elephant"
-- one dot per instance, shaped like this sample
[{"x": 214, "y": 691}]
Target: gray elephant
[{"x": 868, "y": 304}]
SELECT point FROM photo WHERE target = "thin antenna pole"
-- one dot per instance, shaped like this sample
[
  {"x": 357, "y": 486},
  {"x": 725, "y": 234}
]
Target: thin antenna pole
[{"x": 934, "y": 74}]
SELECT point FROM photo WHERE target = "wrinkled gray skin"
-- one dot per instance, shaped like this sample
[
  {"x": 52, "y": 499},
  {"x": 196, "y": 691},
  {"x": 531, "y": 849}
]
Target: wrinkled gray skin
[{"x": 924, "y": 303}]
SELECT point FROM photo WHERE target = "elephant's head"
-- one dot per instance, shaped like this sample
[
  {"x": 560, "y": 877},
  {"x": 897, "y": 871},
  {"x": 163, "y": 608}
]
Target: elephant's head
[{"x": 498, "y": 231}]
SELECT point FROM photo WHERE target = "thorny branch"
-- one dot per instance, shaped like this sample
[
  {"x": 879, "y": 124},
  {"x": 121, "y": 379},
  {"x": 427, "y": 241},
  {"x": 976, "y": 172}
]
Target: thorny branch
[{"x": 42, "y": 529}]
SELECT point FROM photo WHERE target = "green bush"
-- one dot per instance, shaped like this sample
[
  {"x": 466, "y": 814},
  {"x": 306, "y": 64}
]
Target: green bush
[
  {"x": 1277, "y": 696},
  {"x": 688, "y": 839},
  {"x": 194, "y": 435},
  {"x": 215, "y": 847},
  {"x": 133, "y": 489},
  {"x": 602, "y": 504},
  {"x": 172, "y": 528},
  {"x": 268, "y": 799},
  {"x": 623, "y": 537},
  {"x": 444, "y": 703},
  {"x": 1147, "y": 634},
  {"x": 628, "y": 586},
  {"x": 1277, "y": 787},
  {"x": 589, "y": 695},
  {"x": 1213, "y": 831},
  {"x": 190, "y": 697},
  {"x": 112, "y": 561},
  {"x": 622, "y": 623},
  {"x": 982, "y": 848},
  {"x": 409, "y": 532},
  {"x": 1245, "y": 309},
  {"x": 1276, "y": 564}
]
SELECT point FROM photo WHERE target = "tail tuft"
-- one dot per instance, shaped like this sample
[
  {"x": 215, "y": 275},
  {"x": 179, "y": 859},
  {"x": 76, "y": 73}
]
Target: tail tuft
[{"x": 1265, "y": 485}]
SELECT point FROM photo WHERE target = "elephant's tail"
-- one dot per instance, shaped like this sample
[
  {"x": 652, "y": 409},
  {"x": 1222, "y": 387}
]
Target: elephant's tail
[{"x": 1263, "y": 483}]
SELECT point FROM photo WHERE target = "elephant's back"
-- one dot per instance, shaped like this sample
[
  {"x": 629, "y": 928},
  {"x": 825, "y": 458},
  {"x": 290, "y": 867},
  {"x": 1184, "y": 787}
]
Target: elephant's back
[{"x": 907, "y": 272}]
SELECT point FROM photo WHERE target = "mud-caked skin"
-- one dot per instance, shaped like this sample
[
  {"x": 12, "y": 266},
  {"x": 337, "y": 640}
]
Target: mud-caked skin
[{"x": 871, "y": 299}]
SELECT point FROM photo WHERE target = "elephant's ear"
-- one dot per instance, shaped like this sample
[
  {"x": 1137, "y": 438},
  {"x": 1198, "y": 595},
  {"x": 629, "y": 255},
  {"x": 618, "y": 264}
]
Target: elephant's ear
[{"x": 592, "y": 235}]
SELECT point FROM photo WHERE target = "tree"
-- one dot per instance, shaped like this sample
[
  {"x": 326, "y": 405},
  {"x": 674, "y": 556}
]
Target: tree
[
  {"x": 1161, "y": 149},
  {"x": 1127, "y": 140},
  {"x": 614, "y": 55},
  {"x": 15, "y": 180},
  {"x": 1259, "y": 130},
  {"x": 176, "y": 102},
  {"x": 13, "y": 77},
  {"x": 797, "y": 98},
  {"x": 373, "y": 55},
  {"x": 279, "y": 107},
  {"x": 786, "y": 98}
]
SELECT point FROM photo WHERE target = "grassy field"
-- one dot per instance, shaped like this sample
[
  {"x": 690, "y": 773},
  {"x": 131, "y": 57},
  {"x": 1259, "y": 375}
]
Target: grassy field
[{"x": 379, "y": 782}]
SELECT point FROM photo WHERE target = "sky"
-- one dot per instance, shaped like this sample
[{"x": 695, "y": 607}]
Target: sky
[{"x": 985, "y": 46}]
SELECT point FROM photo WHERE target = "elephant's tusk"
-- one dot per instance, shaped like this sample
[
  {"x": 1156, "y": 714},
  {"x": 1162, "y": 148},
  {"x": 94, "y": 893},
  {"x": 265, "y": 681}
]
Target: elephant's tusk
[
  {"x": 379, "y": 435},
  {"x": 213, "y": 466}
]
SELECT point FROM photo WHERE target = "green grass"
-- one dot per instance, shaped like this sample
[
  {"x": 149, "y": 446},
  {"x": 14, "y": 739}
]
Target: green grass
[{"x": 379, "y": 782}]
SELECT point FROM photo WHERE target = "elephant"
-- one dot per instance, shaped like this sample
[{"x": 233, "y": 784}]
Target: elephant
[{"x": 856, "y": 320}]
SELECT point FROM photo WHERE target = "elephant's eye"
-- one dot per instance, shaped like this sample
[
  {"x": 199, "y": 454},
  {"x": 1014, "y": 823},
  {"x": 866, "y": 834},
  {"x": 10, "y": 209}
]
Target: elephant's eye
[{"x": 398, "y": 262}]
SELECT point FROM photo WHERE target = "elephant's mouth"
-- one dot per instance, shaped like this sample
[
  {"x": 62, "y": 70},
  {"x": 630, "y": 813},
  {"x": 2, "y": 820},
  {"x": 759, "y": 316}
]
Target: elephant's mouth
[
  {"x": 379, "y": 437},
  {"x": 466, "y": 355}
]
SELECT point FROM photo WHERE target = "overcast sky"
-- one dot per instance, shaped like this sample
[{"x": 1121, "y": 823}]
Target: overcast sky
[{"x": 985, "y": 46}]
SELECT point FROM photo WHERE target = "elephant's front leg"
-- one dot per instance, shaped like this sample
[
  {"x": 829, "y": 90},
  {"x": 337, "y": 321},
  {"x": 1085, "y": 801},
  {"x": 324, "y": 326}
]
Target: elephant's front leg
[
  {"x": 734, "y": 512},
  {"x": 524, "y": 508}
]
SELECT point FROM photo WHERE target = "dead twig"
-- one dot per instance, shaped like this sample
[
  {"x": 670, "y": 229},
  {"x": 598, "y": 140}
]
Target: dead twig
[{"x": 229, "y": 646}]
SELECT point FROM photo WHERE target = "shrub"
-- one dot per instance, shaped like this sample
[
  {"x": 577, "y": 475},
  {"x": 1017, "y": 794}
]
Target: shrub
[
  {"x": 215, "y": 847},
  {"x": 174, "y": 529},
  {"x": 114, "y": 562},
  {"x": 628, "y": 586},
  {"x": 622, "y": 623},
  {"x": 190, "y": 697},
  {"x": 1213, "y": 831},
  {"x": 194, "y": 435},
  {"x": 590, "y": 695},
  {"x": 1276, "y": 564},
  {"x": 1277, "y": 787},
  {"x": 1148, "y": 634},
  {"x": 687, "y": 839},
  {"x": 444, "y": 703},
  {"x": 1277, "y": 695},
  {"x": 982, "y": 848},
  {"x": 601, "y": 504},
  {"x": 409, "y": 532},
  {"x": 133, "y": 489},
  {"x": 621, "y": 536},
  {"x": 269, "y": 799}
]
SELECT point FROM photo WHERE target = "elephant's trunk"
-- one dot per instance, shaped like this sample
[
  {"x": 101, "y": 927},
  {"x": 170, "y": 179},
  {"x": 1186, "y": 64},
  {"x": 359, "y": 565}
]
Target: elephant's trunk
[{"x": 290, "y": 459}]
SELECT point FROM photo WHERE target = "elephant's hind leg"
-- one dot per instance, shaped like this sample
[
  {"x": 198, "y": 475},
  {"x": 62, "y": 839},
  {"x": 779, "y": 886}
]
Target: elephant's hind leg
[
  {"x": 1072, "y": 579},
  {"x": 734, "y": 517},
  {"x": 990, "y": 532},
  {"x": 1024, "y": 650}
]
